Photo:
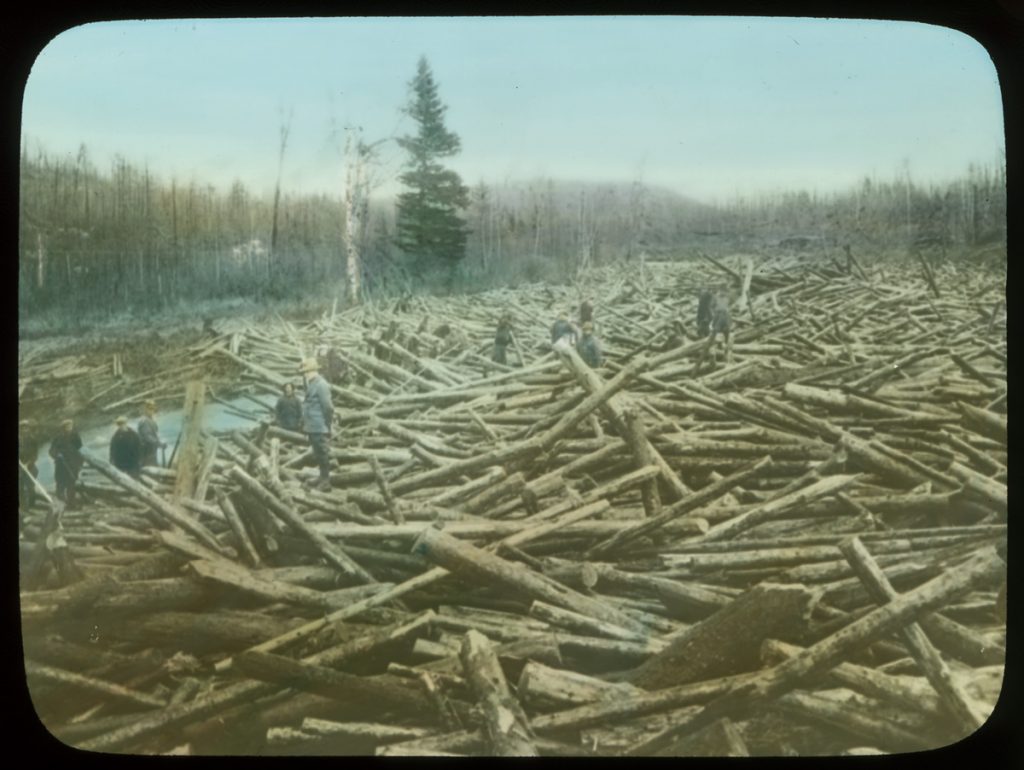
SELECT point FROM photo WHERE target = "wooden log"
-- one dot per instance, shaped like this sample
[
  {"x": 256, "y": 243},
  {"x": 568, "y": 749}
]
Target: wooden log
[
  {"x": 420, "y": 581},
  {"x": 575, "y": 622},
  {"x": 917, "y": 642},
  {"x": 904, "y": 692},
  {"x": 878, "y": 730},
  {"x": 188, "y": 458},
  {"x": 92, "y": 685},
  {"x": 990, "y": 489},
  {"x": 545, "y": 688},
  {"x": 238, "y": 528},
  {"x": 829, "y": 485},
  {"x": 378, "y": 733},
  {"x": 641, "y": 448},
  {"x": 984, "y": 422},
  {"x": 635, "y": 703},
  {"x": 168, "y": 511},
  {"x": 687, "y": 506},
  {"x": 333, "y": 553},
  {"x": 728, "y": 641},
  {"x": 225, "y": 573},
  {"x": 985, "y": 567},
  {"x": 462, "y": 557},
  {"x": 506, "y": 725},
  {"x": 385, "y": 692},
  {"x": 612, "y": 408}
]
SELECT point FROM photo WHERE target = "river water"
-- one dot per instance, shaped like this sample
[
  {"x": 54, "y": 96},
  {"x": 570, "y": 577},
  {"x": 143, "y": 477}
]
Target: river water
[{"x": 217, "y": 418}]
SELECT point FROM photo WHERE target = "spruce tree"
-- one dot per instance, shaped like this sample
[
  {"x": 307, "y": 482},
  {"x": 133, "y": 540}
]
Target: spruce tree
[{"x": 429, "y": 227}]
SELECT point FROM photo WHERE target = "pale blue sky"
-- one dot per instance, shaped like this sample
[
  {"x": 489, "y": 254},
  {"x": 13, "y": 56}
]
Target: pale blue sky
[{"x": 709, "y": 107}]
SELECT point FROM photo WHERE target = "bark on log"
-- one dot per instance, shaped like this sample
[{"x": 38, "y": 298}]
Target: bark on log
[
  {"x": 983, "y": 568},
  {"x": 728, "y": 641},
  {"x": 920, "y": 647},
  {"x": 506, "y": 725}
]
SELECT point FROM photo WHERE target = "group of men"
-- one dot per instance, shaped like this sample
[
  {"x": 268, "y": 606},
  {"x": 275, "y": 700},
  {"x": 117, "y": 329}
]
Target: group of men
[
  {"x": 130, "y": 451},
  {"x": 713, "y": 318},
  {"x": 563, "y": 331}
]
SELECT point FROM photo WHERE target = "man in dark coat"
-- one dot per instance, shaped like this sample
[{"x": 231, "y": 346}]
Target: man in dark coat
[
  {"x": 317, "y": 412},
  {"x": 586, "y": 312},
  {"x": 28, "y": 454},
  {"x": 502, "y": 339},
  {"x": 588, "y": 347},
  {"x": 289, "y": 409},
  {"x": 721, "y": 323},
  {"x": 149, "y": 436},
  {"x": 704, "y": 302},
  {"x": 126, "y": 449},
  {"x": 563, "y": 329},
  {"x": 66, "y": 451}
]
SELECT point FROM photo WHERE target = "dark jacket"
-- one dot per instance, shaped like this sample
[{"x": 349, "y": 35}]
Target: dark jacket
[
  {"x": 317, "y": 409},
  {"x": 289, "y": 412},
  {"x": 586, "y": 313},
  {"x": 28, "y": 449},
  {"x": 502, "y": 339},
  {"x": 590, "y": 350},
  {"x": 65, "y": 449},
  {"x": 704, "y": 304},
  {"x": 126, "y": 450}
]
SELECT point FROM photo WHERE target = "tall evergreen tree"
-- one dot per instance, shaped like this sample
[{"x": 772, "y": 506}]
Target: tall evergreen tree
[{"x": 429, "y": 226}]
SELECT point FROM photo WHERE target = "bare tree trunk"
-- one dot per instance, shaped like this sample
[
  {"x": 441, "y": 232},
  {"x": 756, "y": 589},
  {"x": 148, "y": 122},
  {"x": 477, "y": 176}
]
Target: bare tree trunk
[{"x": 353, "y": 178}]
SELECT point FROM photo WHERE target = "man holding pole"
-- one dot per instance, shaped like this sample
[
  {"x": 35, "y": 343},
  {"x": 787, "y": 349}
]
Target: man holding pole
[{"x": 317, "y": 412}]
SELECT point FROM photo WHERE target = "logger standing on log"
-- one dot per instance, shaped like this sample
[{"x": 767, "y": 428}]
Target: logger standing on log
[
  {"x": 288, "y": 410},
  {"x": 704, "y": 305},
  {"x": 586, "y": 312},
  {"x": 28, "y": 453},
  {"x": 563, "y": 329},
  {"x": 126, "y": 449},
  {"x": 317, "y": 411},
  {"x": 66, "y": 451},
  {"x": 502, "y": 339},
  {"x": 721, "y": 321},
  {"x": 588, "y": 347},
  {"x": 149, "y": 435}
]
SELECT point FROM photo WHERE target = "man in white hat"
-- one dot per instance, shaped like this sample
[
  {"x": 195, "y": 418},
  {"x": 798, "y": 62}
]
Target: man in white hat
[{"x": 317, "y": 412}]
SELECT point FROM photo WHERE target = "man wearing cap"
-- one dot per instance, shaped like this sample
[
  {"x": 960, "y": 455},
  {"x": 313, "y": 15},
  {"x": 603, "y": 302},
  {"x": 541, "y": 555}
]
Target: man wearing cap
[
  {"x": 588, "y": 347},
  {"x": 317, "y": 411},
  {"x": 126, "y": 449},
  {"x": 66, "y": 451},
  {"x": 148, "y": 435},
  {"x": 28, "y": 454}
]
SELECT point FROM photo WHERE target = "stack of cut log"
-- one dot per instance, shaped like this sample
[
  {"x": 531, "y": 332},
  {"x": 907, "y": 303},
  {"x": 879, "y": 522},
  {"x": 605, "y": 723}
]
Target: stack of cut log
[{"x": 798, "y": 551}]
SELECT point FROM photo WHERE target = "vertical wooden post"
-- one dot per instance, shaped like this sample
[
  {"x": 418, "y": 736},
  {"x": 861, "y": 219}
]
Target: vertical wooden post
[{"x": 184, "y": 484}]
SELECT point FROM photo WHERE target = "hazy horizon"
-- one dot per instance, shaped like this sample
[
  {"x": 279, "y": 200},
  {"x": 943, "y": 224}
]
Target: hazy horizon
[{"x": 708, "y": 108}]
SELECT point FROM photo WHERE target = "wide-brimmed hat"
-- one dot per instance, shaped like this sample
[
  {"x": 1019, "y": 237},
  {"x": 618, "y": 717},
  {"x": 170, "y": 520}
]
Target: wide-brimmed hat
[
  {"x": 122, "y": 420},
  {"x": 150, "y": 404},
  {"x": 587, "y": 327},
  {"x": 67, "y": 423},
  {"x": 309, "y": 365}
]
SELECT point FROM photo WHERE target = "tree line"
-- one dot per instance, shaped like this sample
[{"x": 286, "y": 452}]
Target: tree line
[{"x": 104, "y": 239}]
